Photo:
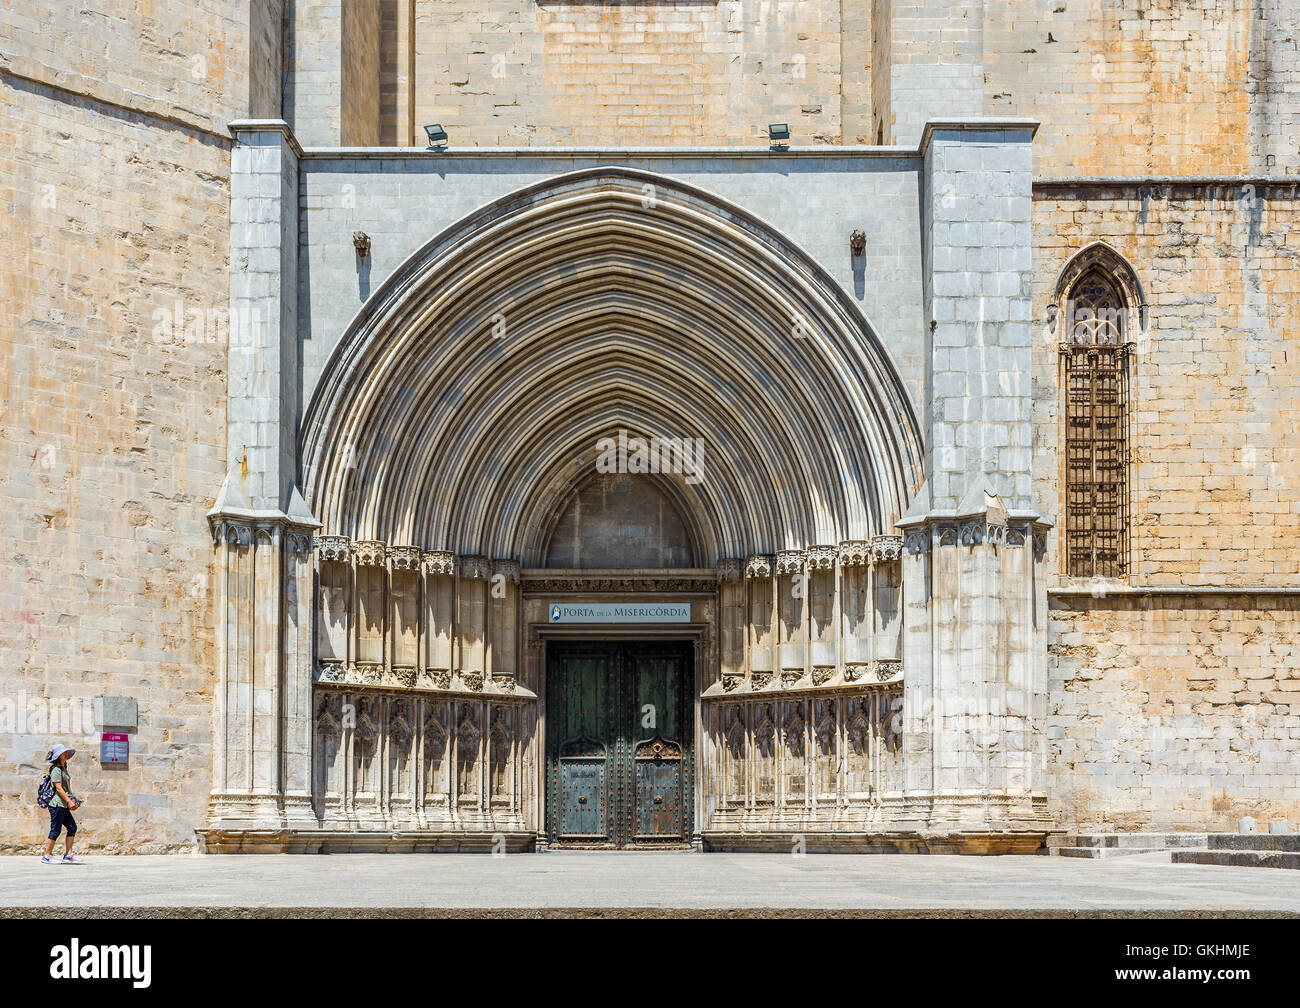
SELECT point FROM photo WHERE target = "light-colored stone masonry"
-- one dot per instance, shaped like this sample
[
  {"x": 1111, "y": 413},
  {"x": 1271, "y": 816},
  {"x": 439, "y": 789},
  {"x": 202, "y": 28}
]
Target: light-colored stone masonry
[
  {"x": 508, "y": 72},
  {"x": 1182, "y": 711},
  {"x": 1137, "y": 87},
  {"x": 116, "y": 207},
  {"x": 1174, "y": 712},
  {"x": 114, "y": 171},
  {"x": 1216, "y": 390}
]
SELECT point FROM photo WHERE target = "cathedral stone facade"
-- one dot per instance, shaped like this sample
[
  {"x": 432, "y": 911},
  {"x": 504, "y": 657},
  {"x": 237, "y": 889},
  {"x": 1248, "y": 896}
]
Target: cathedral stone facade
[{"x": 621, "y": 474}]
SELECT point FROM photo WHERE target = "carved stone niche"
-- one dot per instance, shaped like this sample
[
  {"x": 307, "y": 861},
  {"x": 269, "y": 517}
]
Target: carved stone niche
[
  {"x": 404, "y": 558},
  {"x": 855, "y": 553},
  {"x": 440, "y": 563},
  {"x": 334, "y": 549},
  {"x": 759, "y": 567},
  {"x": 475, "y": 567},
  {"x": 369, "y": 553},
  {"x": 821, "y": 558},
  {"x": 790, "y": 561},
  {"x": 885, "y": 548},
  {"x": 728, "y": 570}
]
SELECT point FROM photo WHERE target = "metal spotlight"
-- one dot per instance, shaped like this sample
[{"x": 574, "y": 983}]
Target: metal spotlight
[
  {"x": 436, "y": 134},
  {"x": 779, "y": 134}
]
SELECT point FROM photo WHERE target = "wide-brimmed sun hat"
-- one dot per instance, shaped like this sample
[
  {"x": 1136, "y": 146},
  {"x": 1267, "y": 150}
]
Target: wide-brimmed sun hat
[{"x": 58, "y": 751}]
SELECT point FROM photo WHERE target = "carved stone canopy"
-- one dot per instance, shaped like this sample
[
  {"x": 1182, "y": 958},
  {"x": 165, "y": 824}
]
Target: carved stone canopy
[
  {"x": 789, "y": 561},
  {"x": 506, "y": 569},
  {"x": 759, "y": 566},
  {"x": 475, "y": 567},
  {"x": 885, "y": 548},
  {"x": 404, "y": 558},
  {"x": 821, "y": 558},
  {"x": 334, "y": 549},
  {"x": 439, "y": 562},
  {"x": 854, "y": 553},
  {"x": 369, "y": 553}
]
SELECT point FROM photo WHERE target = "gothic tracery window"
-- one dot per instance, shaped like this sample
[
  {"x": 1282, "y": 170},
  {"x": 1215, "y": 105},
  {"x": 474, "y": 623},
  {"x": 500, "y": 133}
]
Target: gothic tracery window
[{"x": 1094, "y": 355}]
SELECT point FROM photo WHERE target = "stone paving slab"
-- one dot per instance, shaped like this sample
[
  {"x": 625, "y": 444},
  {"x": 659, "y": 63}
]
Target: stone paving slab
[{"x": 614, "y": 884}]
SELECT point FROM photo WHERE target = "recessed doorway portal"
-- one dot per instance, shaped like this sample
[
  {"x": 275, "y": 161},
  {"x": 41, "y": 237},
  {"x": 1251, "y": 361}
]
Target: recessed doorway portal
[{"x": 620, "y": 757}]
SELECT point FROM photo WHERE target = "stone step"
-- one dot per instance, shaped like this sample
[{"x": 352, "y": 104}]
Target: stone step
[
  {"x": 1280, "y": 842},
  {"x": 1096, "y": 853},
  {"x": 1131, "y": 841},
  {"x": 1237, "y": 858}
]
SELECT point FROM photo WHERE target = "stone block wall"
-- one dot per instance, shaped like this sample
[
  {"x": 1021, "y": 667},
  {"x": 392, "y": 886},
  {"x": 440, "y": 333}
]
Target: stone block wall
[
  {"x": 1177, "y": 711},
  {"x": 1140, "y": 87},
  {"x": 115, "y": 182},
  {"x": 1216, "y": 384},
  {"x": 506, "y": 72},
  {"x": 1174, "y": 713}
]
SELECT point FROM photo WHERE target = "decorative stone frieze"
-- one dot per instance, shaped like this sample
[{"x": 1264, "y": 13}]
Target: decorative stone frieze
[
  {"x": 759, "y": 566},
  {"x": 369, "y": 553},
  {"x": 334, "y": 549},
  {"x": 855, "y": 553},
  {"x": 790, "y": 562},
  {"x": 475, "y": 568},
  {"x": 855, "y": 671},
  {"x": 233, "y": 532},
  {"x": 888, "y": 669},
  {"x": 917, "y": 541},
  {"x": 404, "y": 558},
  {"x": 885, "y": 548},
  {"x": 821, "y": 558},
  {"x": 507, "y": 570},
  {"x": 440, "y": 563}
]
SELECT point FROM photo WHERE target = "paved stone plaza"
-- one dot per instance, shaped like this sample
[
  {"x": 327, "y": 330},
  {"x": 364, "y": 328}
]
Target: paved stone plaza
[{"x": 627, "y": 883}]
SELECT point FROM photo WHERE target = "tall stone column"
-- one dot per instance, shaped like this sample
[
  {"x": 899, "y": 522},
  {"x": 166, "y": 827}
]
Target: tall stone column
[
  {"x": 262, "y": 529},
  {"x": 975, "y": 676}
]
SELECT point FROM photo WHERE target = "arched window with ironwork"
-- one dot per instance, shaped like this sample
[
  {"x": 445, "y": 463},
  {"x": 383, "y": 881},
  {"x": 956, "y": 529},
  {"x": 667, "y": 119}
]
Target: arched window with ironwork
[{"x": 1099, "y": 304}]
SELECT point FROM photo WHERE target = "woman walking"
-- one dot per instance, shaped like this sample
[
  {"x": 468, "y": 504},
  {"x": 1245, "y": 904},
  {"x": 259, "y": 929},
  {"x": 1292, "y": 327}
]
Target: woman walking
[{"x": 62, "y": 805}]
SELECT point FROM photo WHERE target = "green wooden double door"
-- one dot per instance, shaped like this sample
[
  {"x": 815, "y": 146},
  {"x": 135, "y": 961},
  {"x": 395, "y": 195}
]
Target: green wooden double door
[{"x": 619, "y": 767}]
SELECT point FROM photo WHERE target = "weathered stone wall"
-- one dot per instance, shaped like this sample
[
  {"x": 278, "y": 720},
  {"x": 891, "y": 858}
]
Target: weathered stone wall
[
  {"x": 113, "y": 363},
  {"x": 1174, "y": 712},
  {"x": 1177, "y": 711},
  {"x": 360, "y": 74},
  {"x": 1139, "y": 87},
  {"x": 1216, "y": 389},
  {"x": 501, "y": 72}
]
